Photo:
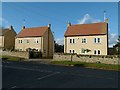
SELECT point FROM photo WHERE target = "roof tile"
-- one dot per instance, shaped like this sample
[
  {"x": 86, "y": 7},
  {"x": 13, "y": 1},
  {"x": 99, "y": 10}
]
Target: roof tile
[
  {"x": 32, "y": 32},
  {"x": 86, "y": 29}
]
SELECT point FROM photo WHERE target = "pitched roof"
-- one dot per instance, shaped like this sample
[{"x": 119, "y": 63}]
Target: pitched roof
[
  {"x": 87, "y": 29},
  {"x": 3, "y": 32},
  {"x": 32, "y": 32}
]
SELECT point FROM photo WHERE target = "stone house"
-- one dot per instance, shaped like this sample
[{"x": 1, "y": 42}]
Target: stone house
[
  {"x": 7, "y": 38},
  {"x": 87, "y": 39},
  {"x": 36, "y": 38}
]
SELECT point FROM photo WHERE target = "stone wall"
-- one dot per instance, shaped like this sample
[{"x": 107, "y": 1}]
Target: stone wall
[
  {"x": 106, "y": 59},
  {"x": 16, "y": 54}
]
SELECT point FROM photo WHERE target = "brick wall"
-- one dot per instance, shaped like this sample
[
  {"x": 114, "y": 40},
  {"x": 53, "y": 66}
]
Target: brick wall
[{"x": 106, "y": 59}]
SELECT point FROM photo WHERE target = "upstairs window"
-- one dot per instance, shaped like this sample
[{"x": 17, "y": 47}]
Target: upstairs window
[
  {"x": 36, "y": 41},
  {"x": 95, "y": 40},
  {"x": 20, "y": 41},
  {"x": 83, "y": 40},
  {"x": 27, "y": 41},
  {"x": 73, "y": 40},
  {"x": 98, "y": 40},
  {"x": 70, "y": 40}
]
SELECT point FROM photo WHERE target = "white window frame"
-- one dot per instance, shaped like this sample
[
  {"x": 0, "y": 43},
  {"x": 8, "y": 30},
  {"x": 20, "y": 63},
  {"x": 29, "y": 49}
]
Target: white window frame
[
  {"x": 72, "y": 41},
  {"x": 99, "y": 40},
  {"x": 27, "y": 41},
  {"x": 36, "y": 41},
  {"x": 96, "y": 40},
  {"x": 97, "y": 52},
  {"x": 84, "y": 40}
]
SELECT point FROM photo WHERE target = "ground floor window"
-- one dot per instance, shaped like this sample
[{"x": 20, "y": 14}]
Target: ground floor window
[
  {"x": 97, "y": 52},
  {"x": 71, "y": 51}
]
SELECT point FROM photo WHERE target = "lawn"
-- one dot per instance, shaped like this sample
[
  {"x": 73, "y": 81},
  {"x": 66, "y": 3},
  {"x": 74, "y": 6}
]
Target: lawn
[{"x": 87, "y": 65}]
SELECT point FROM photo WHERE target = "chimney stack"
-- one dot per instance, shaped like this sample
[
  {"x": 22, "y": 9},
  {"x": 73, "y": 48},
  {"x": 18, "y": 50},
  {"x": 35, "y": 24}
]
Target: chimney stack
[
  {"x": 106, "y": 20},
  {"x": 69, "y": 24},
  {"x": 23, "y": 27},
  {"x": 11, "y": 27},
  {"x": 49, "y": 25},
  {"x": 104, "y": 16}
]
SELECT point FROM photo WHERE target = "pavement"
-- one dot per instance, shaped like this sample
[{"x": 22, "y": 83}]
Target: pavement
[{"x": 39, "y": 75}]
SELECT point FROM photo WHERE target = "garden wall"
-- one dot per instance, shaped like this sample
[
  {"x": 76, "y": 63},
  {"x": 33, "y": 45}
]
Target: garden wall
[
  {"x": 16, "y": 54},
  {"x": 106, "y": 59}
]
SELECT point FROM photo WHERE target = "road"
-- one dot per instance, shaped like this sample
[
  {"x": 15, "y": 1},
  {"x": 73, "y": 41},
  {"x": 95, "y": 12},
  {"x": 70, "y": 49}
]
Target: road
[{"x": 36, "y": 75}]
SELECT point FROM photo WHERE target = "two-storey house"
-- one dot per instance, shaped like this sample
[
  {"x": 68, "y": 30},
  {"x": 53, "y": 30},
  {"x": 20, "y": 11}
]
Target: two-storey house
[
  {"x": 7, "y": 38},
  {"x": 37, "y": 38},
  {"x": 87, "y": 39}
]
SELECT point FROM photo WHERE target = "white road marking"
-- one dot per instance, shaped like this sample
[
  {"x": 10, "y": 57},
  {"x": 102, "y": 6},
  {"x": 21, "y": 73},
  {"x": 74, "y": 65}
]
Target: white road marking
[
  {"x": 49, "y": 75},
  {"x": 25, "y": 68},
  {"x": 11, "y": 88}
]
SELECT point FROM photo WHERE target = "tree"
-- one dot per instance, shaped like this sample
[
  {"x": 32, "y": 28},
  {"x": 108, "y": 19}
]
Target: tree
[
  {"x": 117, "y": 46},
  {"x": 59, "y": 48}
]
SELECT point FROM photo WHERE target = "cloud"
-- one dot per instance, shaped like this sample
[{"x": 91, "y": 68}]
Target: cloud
[
  {"x": 113, "y": 39},
  {"x": 88, "y": 19},
  {"x": 60, "y": 41}
]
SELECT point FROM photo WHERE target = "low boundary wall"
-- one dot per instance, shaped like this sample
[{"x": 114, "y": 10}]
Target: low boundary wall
[
  {"x": 106, "y": 59},
  {"x": 16, "y": 54}
]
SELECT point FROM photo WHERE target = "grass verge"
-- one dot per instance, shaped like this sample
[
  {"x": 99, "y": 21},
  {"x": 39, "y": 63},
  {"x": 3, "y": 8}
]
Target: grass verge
[
  {"x": 11, "y": 58},
  {"x": 88, "y": 65}
]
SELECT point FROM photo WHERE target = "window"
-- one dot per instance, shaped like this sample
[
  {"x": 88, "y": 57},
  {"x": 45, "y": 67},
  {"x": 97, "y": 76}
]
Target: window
[
  {"x": 95, "y": 52},
  {"x": 27, "y": 41},
  {"x": 73, "y": 51},
  {"x": 83, "y": 40},
  {"x": 95, "y": 40},
  {"x": 70, "y": 40},
  {"x": 20, "y": 41},
  {"x": 73, "y": 40},
  {"x": 70, "y": 51},
  {"x": 36, "y": 41},
  {"x": 98, "y": 40},
  {"x": 98, "y": 52}
]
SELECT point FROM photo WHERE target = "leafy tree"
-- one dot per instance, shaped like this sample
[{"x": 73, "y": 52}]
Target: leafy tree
[
  {"x": 117, "y": 47},
  {"x": 59, "y": 48}
]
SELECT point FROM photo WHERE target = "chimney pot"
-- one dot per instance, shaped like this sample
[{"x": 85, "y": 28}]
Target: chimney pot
[
  {"x": 11, "y": 27},
  {"x": 49, "y": 25},
  {"x": 23, "y": 27},
  {"x": 106, "y": 20},
  {"x": 69, "y": 24}
]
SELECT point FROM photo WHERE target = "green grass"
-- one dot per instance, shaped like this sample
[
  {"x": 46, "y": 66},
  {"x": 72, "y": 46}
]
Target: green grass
[
  {"x": 87, "y": 65},
  {"x": 11, "y": 58}
]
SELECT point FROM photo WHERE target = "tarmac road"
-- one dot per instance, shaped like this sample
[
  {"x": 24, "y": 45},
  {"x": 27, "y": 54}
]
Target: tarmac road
[{"x": 38, "y": 75}]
